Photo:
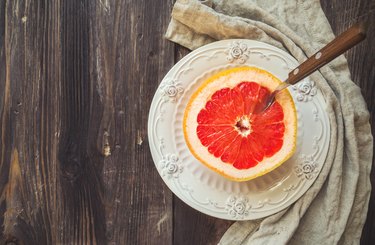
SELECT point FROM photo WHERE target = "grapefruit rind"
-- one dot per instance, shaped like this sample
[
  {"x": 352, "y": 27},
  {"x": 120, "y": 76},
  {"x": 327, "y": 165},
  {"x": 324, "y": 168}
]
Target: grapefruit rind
[{"x": 230, "y": 78}]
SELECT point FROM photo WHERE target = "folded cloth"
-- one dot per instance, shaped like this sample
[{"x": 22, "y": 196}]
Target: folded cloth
[{"x": 334, "y": 209}]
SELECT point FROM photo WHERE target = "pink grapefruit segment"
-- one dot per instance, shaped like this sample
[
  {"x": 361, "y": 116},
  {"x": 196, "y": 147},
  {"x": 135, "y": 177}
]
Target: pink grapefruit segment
[
  {"x": 223, "y": 132},
  {"x": 231, "y": 131}
]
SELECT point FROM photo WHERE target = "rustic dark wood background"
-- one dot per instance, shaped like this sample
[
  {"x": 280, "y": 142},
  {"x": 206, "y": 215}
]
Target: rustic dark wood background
[{"x": 76, "y": 82}]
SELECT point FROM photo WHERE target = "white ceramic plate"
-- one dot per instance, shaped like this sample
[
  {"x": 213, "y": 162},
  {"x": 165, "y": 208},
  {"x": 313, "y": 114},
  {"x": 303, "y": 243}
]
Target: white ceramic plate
[{"x": 207, "y": 191}]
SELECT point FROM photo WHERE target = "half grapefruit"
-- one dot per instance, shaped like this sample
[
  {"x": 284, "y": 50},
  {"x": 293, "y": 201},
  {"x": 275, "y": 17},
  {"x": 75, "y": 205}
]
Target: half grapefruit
[{"x": 223, "y": 132}]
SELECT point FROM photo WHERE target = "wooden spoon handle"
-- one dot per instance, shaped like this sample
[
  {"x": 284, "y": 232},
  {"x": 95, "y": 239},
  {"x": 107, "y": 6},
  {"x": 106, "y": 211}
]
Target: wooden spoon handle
[{"x": 336, "y": 47}]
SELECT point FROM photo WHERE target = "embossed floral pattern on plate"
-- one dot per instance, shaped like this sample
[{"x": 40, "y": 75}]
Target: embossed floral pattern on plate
[
  {"x": 307, "y": 168},
  {"x": 306, "y": 90},
  {"x": 238, "y": 52},
  {"x": 171, "y": 89},
  {"x": 238, "y": 207},
  {"x": 170, "y": 166}
]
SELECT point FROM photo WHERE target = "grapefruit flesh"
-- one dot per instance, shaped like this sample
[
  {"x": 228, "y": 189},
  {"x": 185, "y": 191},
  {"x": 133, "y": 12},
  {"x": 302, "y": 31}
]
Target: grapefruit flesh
[
  {"x": 230, "y": 130},
  {"x": 223, "y": 132}
]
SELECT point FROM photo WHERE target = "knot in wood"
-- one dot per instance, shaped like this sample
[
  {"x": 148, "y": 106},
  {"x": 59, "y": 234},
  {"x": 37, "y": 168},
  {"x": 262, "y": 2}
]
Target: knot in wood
[
  {"x": 11, "y": 243},
  {"x": 71, "y": 162}
]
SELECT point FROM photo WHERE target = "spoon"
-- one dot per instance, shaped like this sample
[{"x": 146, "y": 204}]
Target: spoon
[{"x": 335, "y": 48}]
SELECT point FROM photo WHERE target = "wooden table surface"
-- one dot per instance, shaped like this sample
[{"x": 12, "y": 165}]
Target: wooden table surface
[{"x": 76, "y": 82}]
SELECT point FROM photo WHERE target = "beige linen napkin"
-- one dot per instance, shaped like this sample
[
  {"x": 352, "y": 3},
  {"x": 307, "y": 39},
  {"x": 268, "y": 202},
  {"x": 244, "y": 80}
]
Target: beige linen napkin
[{"x": 334, "y": 209}]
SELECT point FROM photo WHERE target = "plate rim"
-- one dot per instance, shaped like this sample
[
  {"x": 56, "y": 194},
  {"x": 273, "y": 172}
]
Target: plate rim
[{"x": 152, "y": 108}]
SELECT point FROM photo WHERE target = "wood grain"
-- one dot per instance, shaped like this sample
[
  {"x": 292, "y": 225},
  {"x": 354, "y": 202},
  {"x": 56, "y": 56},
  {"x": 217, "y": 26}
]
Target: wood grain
[
  {"x": 76, "y": 81},
  {"x": 75, "y": 164}
]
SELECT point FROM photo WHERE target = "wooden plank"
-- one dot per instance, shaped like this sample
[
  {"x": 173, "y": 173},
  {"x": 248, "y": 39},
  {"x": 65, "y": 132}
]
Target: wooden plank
[
  {"x": 28, "y": 135},
  {"x": 128, "y": 58},
  {"x": 78, "y": 81}
]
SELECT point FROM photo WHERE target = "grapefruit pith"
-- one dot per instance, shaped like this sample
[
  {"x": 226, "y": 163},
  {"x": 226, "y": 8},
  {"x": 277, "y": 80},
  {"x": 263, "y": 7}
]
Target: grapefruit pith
[{"x": 223, "y": 132}]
